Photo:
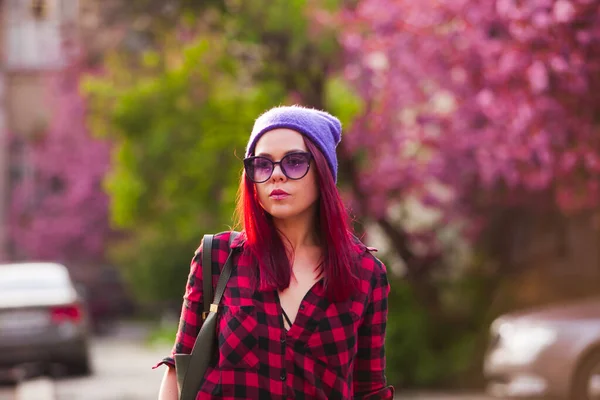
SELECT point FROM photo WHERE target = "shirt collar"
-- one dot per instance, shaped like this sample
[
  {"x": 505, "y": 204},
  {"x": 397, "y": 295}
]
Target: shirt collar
[{"x": 239, "y": 241}]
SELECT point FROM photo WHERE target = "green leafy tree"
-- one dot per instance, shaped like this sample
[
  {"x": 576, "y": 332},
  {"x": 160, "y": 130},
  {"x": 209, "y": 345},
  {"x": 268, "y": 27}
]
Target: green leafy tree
[
  {"x": 180, "y": 104},
  {"x": 180, "y": 124}
]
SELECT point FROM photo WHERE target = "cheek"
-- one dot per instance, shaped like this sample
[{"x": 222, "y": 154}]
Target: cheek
[{"x": 261, "y": 190}]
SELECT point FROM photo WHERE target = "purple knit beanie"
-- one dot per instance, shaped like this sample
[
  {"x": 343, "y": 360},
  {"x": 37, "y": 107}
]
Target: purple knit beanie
[{"x": 322, "y": 128}]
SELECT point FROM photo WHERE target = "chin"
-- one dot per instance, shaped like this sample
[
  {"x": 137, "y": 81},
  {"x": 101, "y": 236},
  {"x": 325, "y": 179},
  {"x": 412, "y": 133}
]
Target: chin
[{"x": 281, "y": 214}]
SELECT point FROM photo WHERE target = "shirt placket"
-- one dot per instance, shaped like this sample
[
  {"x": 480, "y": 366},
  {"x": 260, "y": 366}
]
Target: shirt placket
[
  {"x": 287, "y": 339},
  {"x": 283, "y": 375}
]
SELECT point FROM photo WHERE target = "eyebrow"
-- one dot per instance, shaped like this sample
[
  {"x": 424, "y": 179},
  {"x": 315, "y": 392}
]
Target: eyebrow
[{"x": 286, "y": 153}]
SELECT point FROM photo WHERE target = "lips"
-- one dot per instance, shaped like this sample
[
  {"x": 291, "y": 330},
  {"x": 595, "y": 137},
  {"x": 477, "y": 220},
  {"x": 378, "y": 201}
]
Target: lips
[{"x": 278, "y": 194}]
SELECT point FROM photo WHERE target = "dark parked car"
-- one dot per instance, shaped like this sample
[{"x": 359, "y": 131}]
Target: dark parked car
[
  {"x": 550, "y": 352},
  {"x": 107, "y": 298},
  {"x": 42, "y": 318}
]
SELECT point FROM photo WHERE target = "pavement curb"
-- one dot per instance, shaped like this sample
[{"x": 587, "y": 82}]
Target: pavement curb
[{"x": 35, "y": 389}]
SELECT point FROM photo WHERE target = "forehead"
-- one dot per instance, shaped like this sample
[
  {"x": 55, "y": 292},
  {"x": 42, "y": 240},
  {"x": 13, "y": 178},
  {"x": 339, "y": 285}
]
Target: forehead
[{"x": 279, "y": 141}]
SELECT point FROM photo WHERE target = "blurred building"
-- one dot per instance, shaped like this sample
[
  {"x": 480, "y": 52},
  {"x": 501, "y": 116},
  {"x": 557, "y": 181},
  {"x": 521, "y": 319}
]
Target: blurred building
[{"x": 37, "y": 39}]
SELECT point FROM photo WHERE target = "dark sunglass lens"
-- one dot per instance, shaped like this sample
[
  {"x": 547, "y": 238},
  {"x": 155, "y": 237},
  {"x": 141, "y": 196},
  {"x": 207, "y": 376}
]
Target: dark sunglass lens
[
  {"x": 295, "y": 165},
  {"x": 260, "y": 169}
]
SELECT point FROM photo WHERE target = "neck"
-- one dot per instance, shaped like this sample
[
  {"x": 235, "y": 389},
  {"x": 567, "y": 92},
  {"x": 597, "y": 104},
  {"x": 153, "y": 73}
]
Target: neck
[{"x": 297, "y": 232}]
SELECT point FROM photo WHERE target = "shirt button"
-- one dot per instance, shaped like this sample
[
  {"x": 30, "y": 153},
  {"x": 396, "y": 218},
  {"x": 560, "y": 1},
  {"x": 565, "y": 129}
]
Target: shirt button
[
  {"x": 283, "y": 375},
  {"x": 302, "y": 306},
  {"x": 282, "y": 339}
]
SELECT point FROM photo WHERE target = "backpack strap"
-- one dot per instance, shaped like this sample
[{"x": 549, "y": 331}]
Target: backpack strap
[
  {"x": 192, "y": 367},
  {"x": 207, "y": 286},
  {"x": 207, "y": 273}
]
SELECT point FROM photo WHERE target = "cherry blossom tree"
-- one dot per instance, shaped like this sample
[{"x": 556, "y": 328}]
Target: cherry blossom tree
[
  {"x": 472, "y": 114},
  {"x": 473, "y": 104},
  {"x": 61, "y": 211}
]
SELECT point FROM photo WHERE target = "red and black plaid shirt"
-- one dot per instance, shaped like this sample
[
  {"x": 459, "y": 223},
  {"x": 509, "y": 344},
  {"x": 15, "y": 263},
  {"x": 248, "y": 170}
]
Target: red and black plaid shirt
[{"x": 332, "y": 351}]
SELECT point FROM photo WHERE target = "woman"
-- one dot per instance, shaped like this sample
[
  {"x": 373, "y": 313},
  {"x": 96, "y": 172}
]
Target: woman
[{"x": 305, "y": 310}]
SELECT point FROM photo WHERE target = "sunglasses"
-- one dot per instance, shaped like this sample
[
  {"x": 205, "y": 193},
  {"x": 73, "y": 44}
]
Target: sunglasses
[{"x": 294, "y": 166}]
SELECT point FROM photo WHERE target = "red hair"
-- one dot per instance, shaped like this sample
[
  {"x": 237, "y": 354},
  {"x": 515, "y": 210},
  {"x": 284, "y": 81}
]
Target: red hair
[{"x": 340, "y": 250}]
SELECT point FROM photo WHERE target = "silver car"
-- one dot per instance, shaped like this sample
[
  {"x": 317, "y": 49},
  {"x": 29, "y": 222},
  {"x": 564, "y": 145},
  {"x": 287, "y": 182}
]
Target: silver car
[
  {"x": 550, "y": 352},
  {"x": 43, "y": 320}
]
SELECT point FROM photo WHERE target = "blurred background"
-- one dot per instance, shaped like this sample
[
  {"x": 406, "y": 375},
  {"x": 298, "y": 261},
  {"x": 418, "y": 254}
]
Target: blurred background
[{"x": 470, "y": 158}]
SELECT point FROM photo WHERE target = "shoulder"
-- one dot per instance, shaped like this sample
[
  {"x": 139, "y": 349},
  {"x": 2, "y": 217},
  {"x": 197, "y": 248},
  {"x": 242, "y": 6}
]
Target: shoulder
[
  {"x": 366, "y": 259},
  {"x": 219, "y": 245},
  {"x": 374, "y": 280},
  {"x": 372, "y": 266}
]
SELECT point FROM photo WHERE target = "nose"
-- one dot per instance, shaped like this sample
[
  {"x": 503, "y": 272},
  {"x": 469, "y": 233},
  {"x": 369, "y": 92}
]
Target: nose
[{"x": 278, "y": 174}]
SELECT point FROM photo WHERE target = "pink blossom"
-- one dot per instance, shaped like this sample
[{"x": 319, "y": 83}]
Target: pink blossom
[
  {"x": 63, "y": 214},
  {"x": 538, "y": 77},
  {"x": 523, "y": 78},
  {"x": 564, "y": 11}
]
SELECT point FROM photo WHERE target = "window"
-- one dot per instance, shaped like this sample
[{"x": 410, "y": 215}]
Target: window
[
  {"x": 35, "y": 32},
  {"x": 21, "y": 171}
]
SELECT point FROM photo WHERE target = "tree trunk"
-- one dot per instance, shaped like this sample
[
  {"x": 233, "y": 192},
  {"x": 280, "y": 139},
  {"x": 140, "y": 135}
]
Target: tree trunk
[{"x": 419, "y": 269}]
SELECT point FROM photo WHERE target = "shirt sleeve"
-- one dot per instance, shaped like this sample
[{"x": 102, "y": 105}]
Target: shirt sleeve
[
  {"x": 190, "y": 320},
  {"x": 369, "y": 367}
]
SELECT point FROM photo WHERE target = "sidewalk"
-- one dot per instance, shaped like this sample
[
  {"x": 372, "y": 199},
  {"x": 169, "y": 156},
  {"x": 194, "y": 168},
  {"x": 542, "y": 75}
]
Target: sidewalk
[{"x": 442, "y": 396}]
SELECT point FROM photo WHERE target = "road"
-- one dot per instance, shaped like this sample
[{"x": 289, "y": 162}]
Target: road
[{"x": 122, "y": 371}]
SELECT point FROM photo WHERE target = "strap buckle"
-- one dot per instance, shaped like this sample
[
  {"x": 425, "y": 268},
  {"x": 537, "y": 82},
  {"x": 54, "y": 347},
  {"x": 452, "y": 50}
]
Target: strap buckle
[{"x": 213, "y": 309}]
